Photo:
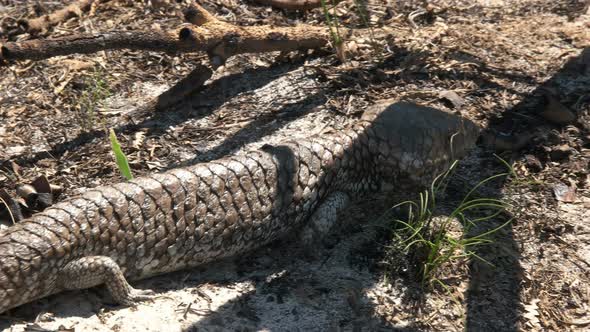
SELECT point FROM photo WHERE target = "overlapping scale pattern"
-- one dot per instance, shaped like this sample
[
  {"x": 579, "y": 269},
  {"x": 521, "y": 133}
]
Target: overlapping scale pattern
[{"x": 190, "y": 216}]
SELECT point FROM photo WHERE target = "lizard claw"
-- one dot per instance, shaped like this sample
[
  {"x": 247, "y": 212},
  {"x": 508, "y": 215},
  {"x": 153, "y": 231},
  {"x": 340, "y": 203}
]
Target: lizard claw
[{"x": 139, "y": 295}]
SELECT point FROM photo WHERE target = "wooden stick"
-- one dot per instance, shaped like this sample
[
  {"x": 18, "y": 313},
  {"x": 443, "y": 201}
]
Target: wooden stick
[{"x": 206, "y": 34}]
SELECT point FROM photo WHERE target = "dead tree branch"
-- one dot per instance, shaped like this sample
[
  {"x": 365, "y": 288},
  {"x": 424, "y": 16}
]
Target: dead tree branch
[
  {"x": 206, "y": 34},
  {"x": 39, "y": 49}
]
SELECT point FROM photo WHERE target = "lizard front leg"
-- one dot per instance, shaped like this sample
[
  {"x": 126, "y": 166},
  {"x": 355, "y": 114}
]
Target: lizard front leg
[
  {"x": 91, "y": 271},
  {"x": 322, "y": 220}
]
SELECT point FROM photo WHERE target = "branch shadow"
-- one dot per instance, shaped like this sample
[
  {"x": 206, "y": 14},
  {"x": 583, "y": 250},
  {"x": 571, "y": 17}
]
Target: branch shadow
[
  {"x": 202, "y": 102},
  {"x": 257, "y": 129}
]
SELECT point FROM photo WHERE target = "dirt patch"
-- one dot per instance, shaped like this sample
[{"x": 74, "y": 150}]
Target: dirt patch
[{"x": 503, "y": 61}]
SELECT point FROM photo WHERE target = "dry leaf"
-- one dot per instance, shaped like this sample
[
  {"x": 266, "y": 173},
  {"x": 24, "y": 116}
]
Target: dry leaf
[
  {"x": 75, "y": 65},
  {"x": 352, "y": 48},
  {"x": 138, "y": 139},
  {"x": 62, "y": 85},
  {"x": 563, "y": 193},
  {"x": 531, "y": 313}
]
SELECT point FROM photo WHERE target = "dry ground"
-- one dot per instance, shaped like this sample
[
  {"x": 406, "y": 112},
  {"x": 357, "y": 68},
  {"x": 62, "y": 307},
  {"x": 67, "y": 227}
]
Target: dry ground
[{"x": 508, "y": 62}]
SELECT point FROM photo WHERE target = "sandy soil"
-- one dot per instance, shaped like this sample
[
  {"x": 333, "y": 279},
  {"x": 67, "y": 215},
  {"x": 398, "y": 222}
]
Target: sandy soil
[{"x": 508, "y": 62}]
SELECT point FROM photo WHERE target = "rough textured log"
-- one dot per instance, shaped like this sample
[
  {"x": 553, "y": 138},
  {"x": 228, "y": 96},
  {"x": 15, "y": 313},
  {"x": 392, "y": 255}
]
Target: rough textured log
[
  {"x": 39, "y": 49},
  {"x": 206, "y": 33},
  {"x": 224, "y": 40}
]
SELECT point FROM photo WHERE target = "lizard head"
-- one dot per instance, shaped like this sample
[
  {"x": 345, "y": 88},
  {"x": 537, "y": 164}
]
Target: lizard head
[{"x": 415, "y": 143}]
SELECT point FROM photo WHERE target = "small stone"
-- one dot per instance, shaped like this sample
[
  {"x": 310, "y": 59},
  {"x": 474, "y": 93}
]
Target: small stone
[{"x": 452, "y": 97}]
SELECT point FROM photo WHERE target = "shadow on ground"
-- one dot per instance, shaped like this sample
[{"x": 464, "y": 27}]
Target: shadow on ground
[
  {"x": 208, "y": 99},
  {"x": 493, "y": 297}
]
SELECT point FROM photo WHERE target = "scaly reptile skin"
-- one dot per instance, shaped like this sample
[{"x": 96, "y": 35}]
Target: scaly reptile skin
[{"x": 190, "y": 216}]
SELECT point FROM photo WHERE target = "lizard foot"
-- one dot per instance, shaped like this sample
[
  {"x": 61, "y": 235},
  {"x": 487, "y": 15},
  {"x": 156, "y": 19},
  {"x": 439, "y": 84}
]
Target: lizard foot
[
  {"x": 321, "y": 222},
  {"x": 91, "y": 271},
  {"x": 136, "y": 295}
]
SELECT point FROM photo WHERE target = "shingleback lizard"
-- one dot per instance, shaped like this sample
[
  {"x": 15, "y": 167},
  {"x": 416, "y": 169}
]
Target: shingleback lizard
[{"x": 190, "y": 216}]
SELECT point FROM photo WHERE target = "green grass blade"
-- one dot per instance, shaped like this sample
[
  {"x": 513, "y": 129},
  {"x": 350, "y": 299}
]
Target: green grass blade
[
  {"x": 492, "y": 231},
  {"x": 508, "y": 166},
  {"x": 428, "y": 239},
  {"x": 481, "y": 184},
  {"x": 439, "y": 181},
  {"x": 120, "y": 157},
  {"x": 473, "y": 254},
  {"x": 8, "y": 209},
  {"x": 486, "y": 218},
  {"x": 334, "y": 32}
]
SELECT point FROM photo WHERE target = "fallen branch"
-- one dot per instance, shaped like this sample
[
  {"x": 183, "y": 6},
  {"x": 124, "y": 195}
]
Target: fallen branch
[
  {"x": 206, "y": 34},
  {"x": 39, "y": 24},
  {"x": 38, "y": 49},
  {"x": 296, "y": 4}
]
